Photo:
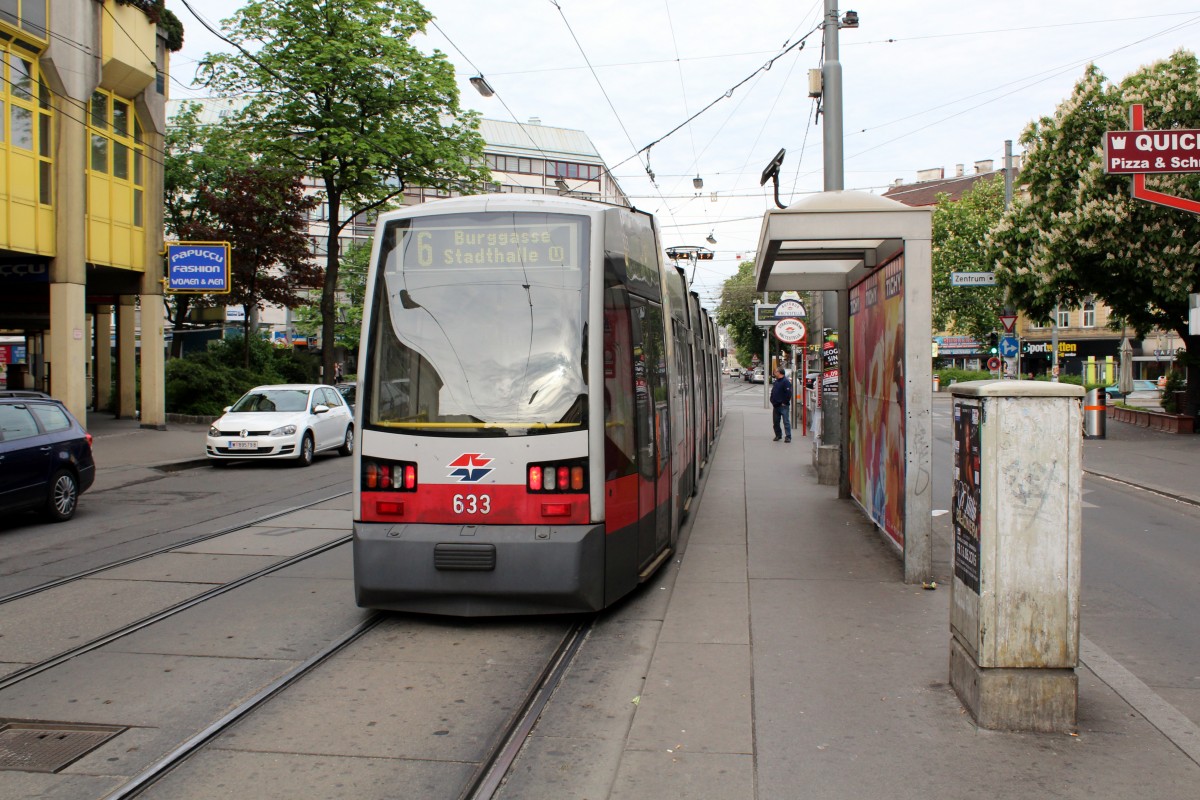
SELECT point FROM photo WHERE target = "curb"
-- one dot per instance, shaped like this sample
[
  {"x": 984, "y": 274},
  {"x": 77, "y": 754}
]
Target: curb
[{"x": 1179, "y": 498}]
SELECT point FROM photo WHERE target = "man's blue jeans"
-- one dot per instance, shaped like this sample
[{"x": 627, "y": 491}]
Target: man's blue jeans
[{"x": 781, "y": 413}]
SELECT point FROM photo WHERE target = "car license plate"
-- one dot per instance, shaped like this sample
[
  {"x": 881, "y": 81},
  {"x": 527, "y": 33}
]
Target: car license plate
[{"x": 243, "y": 444}]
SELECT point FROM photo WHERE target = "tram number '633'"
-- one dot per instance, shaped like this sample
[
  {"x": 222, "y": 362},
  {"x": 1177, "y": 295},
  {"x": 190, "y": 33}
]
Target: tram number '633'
[{"x": 472, "y": 504}]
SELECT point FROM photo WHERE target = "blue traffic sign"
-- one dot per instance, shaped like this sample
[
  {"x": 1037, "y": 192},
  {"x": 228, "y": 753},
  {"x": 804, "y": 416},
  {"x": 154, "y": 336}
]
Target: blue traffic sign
[{"x": 1009, "y": 346}]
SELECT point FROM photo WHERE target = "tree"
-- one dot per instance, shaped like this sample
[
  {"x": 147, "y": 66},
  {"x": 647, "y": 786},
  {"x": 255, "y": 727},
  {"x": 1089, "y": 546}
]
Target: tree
[
  {"x": 351, "y": 292},
  {"x": 960, "y": 235},
  {"x": 340, "y": 90},
  {"x": 262, "y": 212},
  {"x": 197, "y": 157},
  {"x": 736, "y": 314},
  {"x": 1079, "y": 233}
]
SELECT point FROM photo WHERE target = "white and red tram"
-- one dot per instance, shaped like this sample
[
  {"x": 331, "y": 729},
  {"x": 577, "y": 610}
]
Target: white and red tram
[{"x": 528, "y": 430}]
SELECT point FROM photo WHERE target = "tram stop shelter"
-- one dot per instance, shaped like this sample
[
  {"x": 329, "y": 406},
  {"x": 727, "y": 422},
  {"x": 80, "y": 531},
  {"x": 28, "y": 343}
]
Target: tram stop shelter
[{"x": 875, "y": 254}]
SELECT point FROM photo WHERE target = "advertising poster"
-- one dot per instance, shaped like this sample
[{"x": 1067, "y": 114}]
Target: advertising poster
[
  {"x": 877, "y": 426},
  {"x": 966, "y": 493}
]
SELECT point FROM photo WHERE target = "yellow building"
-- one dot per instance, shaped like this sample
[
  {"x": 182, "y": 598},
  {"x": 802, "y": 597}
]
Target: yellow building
[{"x": 82, "y": 101}]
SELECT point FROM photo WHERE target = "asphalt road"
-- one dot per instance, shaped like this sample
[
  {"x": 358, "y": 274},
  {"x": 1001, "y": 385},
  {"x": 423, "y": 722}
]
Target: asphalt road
[{"x": 165, "y": 508}]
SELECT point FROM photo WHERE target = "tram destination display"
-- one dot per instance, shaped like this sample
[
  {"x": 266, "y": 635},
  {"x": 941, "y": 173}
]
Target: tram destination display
[{"x": 489, "y": 245}]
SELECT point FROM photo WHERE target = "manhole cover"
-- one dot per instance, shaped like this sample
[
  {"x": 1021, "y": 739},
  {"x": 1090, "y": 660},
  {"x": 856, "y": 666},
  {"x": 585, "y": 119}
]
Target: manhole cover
[{"x": 48, "y": 746}]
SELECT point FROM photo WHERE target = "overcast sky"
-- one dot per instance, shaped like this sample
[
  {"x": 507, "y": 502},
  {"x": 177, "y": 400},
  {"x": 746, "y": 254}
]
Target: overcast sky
[{"x": 927, "y": 83}]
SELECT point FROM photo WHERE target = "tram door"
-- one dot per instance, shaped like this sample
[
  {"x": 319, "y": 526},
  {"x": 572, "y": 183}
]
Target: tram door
[{"x": 653, "y": 429}]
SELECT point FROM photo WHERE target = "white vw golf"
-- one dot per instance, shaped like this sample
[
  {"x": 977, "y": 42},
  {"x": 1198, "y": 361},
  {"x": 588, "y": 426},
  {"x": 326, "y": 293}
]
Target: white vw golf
[{"x": 289, "y": 421}]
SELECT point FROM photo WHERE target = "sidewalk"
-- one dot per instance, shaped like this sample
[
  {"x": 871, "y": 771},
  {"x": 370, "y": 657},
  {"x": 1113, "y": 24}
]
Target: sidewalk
[
  {"x": 126, "y": 453},
  {"x": 793, "y": 662}
]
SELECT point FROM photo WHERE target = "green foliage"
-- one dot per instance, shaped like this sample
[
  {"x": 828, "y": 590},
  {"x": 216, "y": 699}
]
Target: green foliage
[
  {"x": 352, "y": 290},
  {"x": 960, "y": 234},
  {"x": 962, "y": 375},
  {"x": 736, "y": 314},
  {"x": 341, "y": 91},
  {"x": 1077, "y": 232},
  {"x": 202, "y": 384},
  {"x": 1170, "y": 396}
]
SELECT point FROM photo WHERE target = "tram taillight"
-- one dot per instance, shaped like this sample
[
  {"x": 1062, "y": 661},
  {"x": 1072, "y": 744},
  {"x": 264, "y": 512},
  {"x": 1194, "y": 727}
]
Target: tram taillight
[
  {"x": 566, "y": 476},
  {"x": 388, "y": 476}
]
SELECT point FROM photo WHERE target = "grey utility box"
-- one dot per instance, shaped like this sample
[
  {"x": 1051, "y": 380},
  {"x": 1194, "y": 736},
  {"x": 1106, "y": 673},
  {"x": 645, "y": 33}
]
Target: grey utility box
[{"x": 1014, "y": 598}]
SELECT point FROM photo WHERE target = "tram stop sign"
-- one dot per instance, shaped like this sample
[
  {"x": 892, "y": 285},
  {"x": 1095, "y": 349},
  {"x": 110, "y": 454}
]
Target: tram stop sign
[{"x": 790, "y": 331}]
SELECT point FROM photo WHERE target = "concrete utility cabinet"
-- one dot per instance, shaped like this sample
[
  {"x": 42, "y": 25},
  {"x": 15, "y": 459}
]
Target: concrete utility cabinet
[{"x": 1014, "y": 610}]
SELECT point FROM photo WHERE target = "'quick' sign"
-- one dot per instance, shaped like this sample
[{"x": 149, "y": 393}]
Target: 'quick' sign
[{"x": 1132, "y": 152}]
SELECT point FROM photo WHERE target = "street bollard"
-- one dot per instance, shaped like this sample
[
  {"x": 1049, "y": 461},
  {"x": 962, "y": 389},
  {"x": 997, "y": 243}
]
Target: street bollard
[
  {"x": 1095, "y": 414},
  {"x": 1017, "y": 527}
]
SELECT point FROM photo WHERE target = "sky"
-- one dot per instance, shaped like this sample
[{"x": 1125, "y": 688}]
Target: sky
[{"x": 926, "y": 84}]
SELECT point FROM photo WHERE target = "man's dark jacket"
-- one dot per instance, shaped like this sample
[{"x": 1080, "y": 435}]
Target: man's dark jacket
[{"x": 781, "y": 391}]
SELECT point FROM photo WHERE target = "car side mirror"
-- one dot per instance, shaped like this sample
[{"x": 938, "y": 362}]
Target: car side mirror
[
  {"x": 227, "y": 409},
  {"x": 320, "y": 408}
]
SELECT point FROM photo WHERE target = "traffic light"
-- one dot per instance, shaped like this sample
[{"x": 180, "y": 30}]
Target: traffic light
[{"x": 993, "y": 343}]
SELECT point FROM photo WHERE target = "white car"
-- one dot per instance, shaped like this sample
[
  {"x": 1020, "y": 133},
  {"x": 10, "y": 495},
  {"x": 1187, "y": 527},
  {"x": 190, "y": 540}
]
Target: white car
[{"x": 289, "y": 421}]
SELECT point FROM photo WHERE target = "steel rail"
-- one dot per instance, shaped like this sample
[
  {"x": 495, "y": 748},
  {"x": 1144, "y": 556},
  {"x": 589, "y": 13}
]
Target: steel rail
[
  {"x": 157, "y": 770},
  {"x": 158, "y": 616},
  {"x": 42, "y": 587},
  {"x": 493, "y": 769}
]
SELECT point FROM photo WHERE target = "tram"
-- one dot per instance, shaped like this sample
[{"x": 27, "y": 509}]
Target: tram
[{"x": 537, "y": 395}]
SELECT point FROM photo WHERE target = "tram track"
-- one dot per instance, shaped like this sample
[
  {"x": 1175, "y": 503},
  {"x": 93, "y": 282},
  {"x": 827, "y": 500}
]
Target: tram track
[
  {"x": 92, "y": 571},
  {"x": 485, "y": 781},
  {"x": 61, "y": 658}
]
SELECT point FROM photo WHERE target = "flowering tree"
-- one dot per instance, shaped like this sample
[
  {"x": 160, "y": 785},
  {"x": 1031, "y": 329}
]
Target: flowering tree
[{"x": 1076, "y": 232}]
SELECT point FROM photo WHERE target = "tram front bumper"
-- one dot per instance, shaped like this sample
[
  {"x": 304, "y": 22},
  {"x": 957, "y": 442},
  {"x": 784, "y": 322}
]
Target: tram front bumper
[{"x": 479, "y": 570}]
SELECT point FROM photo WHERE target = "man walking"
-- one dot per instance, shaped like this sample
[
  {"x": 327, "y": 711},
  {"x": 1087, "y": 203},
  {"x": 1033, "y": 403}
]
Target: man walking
[{"x": 781, "y": 401}]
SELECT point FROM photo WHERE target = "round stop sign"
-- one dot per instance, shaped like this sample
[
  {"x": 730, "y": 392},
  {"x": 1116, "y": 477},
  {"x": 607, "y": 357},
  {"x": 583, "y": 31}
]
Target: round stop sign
[{"x": 790, "y": 331}]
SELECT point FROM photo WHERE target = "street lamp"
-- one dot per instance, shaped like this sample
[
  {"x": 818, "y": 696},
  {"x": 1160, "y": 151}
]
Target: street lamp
[{"x": 482, "y": 86}]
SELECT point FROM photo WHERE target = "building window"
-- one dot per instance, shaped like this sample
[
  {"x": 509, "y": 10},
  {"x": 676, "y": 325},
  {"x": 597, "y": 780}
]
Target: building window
[
  {"x": 527, "y": 166},
  {"x": 1064, "y": 318},
  {"x": 570, "y": 169},
  {"x": 1089, "y": 315},
  {"x": 25, "y": 122},
  {"x": 28, "y": 15},
  {"x": 118, "y": 147}
]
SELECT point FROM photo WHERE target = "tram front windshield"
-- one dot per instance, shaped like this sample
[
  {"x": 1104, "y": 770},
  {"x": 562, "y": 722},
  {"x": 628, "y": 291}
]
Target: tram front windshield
[{"x": 479, "y": 325}]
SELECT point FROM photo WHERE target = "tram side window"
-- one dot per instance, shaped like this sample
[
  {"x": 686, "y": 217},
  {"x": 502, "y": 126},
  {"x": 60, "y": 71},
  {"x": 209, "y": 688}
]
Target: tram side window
[
  {"x": 620, "y": 434},
  {"x": 650, "y": 379},
  {"x": 654, "y": 350}
]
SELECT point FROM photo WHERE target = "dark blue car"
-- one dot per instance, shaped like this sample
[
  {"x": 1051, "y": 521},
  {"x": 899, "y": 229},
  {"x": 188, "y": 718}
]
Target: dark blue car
[{"x": 45, "y": 456}]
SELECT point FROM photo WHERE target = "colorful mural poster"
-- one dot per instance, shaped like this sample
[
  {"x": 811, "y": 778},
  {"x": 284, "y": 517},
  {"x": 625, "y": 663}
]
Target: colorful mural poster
[
  {"x": 876, "y": 454},
  {"x": 966, "y": 493}
]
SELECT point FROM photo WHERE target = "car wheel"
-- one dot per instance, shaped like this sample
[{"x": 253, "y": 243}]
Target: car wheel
[
  {"x": 307, "y": 450},
  {"x": 64, "y": 496},
  {"x": 347, "y": 447}
]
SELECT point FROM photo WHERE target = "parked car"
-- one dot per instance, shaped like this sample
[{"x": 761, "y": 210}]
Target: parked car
[
  {"x": 288, "y": 421},
  {"x": 758, "y": 376},
  {"x": 45, "y": 456},
  {"x": 349, "y": 392}
]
